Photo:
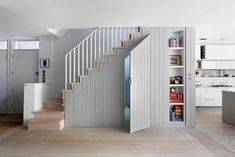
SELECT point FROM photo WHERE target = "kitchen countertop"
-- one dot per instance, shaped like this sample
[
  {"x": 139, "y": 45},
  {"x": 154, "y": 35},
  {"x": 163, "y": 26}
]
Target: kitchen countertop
[
  {"x": 215, "y": 87},
  {"x": 230, "y": 90}
]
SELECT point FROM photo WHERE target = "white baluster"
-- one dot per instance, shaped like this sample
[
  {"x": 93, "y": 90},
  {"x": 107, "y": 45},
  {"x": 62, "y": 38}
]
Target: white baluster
[
  {"x": 108, "y": 40},
  {"x": 87, "y": 59},
  {"x": 124, "y": 31},
  {"x": 116, "y": 42},
  {"x": 83, "y": 59},
  {"x": 112, "y": 38},
  {"x": 120, "y": 34},
  {"x": 79, "y": 73},
  {"x": 103, "y": 41},
  {"x": 91, "y": 52},
  {"x": 70, "y": 67},
  {"x": 99, "y": 45},
  {"x": 95, "y": 48},
  {"x": 66, "y": 72},
  {"x": 74, "y": 65}
]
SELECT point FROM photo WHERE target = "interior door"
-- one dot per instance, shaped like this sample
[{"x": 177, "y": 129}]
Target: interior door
[
  {"x": 25, "y": 70},
  {"x": 140, "y": 86},
  {"x": 127, "y": 91},
  {"x": 3, "y": 82}
]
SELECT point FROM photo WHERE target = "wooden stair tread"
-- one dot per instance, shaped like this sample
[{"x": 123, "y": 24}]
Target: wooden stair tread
[
  {"x": 36, "y": 121},
  {"x": 54, "y": 101},
  {"x": 43, "y": 110}
]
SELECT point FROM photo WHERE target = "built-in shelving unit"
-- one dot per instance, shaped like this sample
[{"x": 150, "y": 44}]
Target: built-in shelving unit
[{"x": 176, "y": 104}]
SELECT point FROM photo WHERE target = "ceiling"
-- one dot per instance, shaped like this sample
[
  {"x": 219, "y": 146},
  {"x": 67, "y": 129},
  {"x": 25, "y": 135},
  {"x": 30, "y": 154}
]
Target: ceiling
[{"x": 213, "y": 19}]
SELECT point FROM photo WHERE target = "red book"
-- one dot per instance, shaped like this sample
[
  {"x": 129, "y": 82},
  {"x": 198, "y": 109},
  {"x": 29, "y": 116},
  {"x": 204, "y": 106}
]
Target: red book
[
  {"x": 173, "y": 97},
  {"x": 180, "y": 98}
]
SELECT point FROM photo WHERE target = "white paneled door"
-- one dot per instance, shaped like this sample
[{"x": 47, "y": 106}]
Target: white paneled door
[
  {"x": 3, "y": 81},
  {"x": 140, "y": 86},
  {"x": 25, "y": 68}
]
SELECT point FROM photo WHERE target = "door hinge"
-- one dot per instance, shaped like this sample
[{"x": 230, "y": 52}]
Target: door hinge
[
  {"x": 12, "y": 90},
  {"x": 6, "y": 89}
]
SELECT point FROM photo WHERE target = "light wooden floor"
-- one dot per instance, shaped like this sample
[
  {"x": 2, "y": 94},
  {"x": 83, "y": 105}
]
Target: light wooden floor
[
  {"x": 9, "y": 121},
  {"x": 203, "y": 141}
]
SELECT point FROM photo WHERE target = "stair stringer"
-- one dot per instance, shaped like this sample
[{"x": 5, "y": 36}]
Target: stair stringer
[{"x": 98, "y": 100}]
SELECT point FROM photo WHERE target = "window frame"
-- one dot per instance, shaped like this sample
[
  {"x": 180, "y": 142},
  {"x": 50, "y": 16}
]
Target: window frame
[{"x": 24, "y": 40}]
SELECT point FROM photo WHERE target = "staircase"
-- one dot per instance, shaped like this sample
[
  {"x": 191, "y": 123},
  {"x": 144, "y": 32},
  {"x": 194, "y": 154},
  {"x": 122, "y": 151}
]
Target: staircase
[
  {"x": 95, "y": 50},
  {"x": 50, "y": 117},
  {"x": 93, "y": 94},
  {"x": 84, "y": 58}
]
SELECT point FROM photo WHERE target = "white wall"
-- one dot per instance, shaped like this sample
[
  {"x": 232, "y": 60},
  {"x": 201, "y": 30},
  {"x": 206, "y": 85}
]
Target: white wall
[
  {"x": 45, "y": 51},
  {"x": 34, "y": 96},
  {"x": 212, "y": 18},
  {"x": 55, "y": 49}
]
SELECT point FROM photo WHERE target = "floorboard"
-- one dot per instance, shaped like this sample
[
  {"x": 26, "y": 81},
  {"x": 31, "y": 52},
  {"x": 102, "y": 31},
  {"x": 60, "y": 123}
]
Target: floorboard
[{"x": 202, "y": 141}]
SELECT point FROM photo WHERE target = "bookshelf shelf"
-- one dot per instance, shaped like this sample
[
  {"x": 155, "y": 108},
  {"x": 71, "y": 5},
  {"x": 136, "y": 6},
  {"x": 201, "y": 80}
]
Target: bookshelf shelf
[
  {"x": 176, "y": 85},
  {"x": 176, "y": 48},
  {"x": 172, "y": 103},
  {"x": 176, "y": 66}
]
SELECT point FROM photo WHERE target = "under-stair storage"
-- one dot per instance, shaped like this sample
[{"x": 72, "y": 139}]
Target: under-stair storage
[
  {"x": 137, "y": 87},
  {"x": 159, "y": 89},
  {"x": 94, "y": 73}
]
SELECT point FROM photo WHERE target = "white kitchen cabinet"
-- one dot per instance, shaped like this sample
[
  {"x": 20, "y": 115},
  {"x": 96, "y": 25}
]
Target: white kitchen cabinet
[
  {"x": 210, "y": 96},
  {"x": 209, "y": 65},
  {"x": 223, "y": 64},
  {"x": 200, "y": 96},
  {"x": 227, "y": 51},
  {"x": 213, "y": 51},
  {"x": 233, "y": 64}
]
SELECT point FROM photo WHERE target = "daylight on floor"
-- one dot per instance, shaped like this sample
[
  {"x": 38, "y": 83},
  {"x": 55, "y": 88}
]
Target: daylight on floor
[{"x": 117, "y": 78}]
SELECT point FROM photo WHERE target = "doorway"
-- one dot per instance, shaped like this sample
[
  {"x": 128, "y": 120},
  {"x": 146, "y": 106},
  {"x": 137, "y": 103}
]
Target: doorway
[
  {"x": 127, "y": 83},
  {"x": 19, "y": 65},
  {"x": 3, "y": 79}
]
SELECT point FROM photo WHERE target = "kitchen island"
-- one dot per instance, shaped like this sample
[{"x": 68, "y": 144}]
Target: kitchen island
[{"x": 228, "y": 106}]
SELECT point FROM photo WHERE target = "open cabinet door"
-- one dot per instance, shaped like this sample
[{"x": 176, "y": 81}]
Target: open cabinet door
[{"x": 140, "y": 86}]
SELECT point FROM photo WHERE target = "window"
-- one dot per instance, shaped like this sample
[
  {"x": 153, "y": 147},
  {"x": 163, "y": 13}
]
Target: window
[
  {"x": 3, "y": 45},
  {"x": 25, "y": 45}
]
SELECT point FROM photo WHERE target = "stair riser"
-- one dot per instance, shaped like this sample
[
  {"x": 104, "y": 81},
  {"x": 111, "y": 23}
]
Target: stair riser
[
  {"x": 54, "y": 106},
  {"x": 48, "y": 115},
  {"x": 46, "y": 126}
]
